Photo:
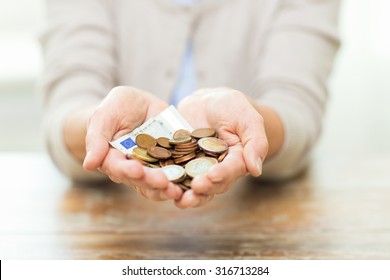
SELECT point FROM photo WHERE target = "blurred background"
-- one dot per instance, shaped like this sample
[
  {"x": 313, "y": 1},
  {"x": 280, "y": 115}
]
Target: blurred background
[{"x": 357, "y": 120}]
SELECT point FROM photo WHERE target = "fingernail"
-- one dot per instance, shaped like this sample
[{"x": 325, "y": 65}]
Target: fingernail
[
  {"x": 259, "y": 166},
  {"x": 86, "y": 160}
]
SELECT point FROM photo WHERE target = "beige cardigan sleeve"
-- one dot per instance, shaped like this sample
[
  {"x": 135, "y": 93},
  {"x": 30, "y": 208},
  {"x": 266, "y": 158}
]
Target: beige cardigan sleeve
[
  {"x": 295, "y": 65},
  {"x": 81, "y": 48},
  {"x": 79, "y": 70}
]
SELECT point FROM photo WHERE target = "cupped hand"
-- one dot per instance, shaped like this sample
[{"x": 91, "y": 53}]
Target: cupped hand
[
  {"x": 123, "y": 110},
  {"x": 240, "y": 125}
]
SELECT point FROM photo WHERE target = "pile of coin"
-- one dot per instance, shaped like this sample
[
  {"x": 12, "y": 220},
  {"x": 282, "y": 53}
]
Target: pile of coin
[{"x": 186, "y": 155}]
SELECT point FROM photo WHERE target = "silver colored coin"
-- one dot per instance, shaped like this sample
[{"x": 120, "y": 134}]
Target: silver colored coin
[
  {"x": 175, "y": 173},
  {"x": 199, "y": 166}
]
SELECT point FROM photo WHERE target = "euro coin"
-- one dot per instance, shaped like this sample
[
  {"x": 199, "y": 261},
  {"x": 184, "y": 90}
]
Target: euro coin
[
  {"x": 179, "y": 141},
  {"x": 199, "y": 166},
  {"x": 159, "y": 153},
  {"x": 184, "y": 187},
  {"x": 203, "y": 132},
  {"x": 145, "y": 141},
  {"x": 166, "y": 162},
  {"x": 181, "y": 133},
  {"x": 131, "y": 156},
  {"x": 142, "y": 154},
  {"x": 213, "y": 145},
  {"x": 164, "y": 142},
  {"x": 222, "y": 156},
  {"x": 174, "y": 173},
  {"x": 185, "y": 158},
  {"x": 187, "y": 182}
]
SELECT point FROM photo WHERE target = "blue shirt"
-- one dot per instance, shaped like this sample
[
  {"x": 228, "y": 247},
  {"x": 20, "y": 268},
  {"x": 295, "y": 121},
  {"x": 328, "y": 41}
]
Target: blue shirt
[{"x": 186, "y": 82}]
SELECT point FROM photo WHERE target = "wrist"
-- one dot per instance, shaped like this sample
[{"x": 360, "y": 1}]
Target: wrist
[
  {"x": 75, "y": 129},
  {"x": 274, "y": 127}
]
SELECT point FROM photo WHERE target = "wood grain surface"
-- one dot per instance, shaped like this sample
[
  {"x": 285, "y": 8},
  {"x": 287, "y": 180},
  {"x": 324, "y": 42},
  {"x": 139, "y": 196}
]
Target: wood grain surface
[{"x": 338, "y": 209}]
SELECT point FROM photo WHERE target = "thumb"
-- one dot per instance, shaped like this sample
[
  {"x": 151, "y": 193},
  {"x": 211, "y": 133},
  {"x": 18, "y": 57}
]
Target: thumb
[
  {"x": 255, "y": 145},
  {"x": 100, "y": 131}
]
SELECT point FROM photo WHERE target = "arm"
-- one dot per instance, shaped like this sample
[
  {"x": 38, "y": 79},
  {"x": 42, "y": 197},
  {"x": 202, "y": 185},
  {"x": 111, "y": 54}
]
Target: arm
[
  {"x": 284, "y": 115},
  {"x": 273, "y": 127},
  {"x": 82, "y": 111},
  {"x": 79, "y": 71},
  {"x": 294, "y": 68}
]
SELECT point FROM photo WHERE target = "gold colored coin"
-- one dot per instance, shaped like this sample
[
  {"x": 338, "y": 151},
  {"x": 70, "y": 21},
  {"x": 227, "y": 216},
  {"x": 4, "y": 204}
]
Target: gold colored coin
[
  {"x": 199, "y": 166},
  {"x": 203, "y": 132},
  {"x": 164, "y": 142},
  {"x": 142, "y": 154},
  {"x": 174, "y": 173},
  {"x": 213, "y": 145},
  {"x": 184, "y": 187},
  {"x": 192, "y": 143},
  {"x": 181, "y": 133},
  {"x": 187, "y": 182},
  {"x": 130, "y": 156},
  {"x": 180, "y": 141},
  {"x": 145, "y": 141}
]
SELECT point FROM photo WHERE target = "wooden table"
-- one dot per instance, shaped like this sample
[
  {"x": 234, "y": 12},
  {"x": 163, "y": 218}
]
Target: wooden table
[{"x": 338, "y": 209}]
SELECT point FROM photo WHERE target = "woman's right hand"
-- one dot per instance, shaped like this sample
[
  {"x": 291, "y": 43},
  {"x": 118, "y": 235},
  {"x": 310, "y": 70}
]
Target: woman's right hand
[{"x": 123, "y": 110}]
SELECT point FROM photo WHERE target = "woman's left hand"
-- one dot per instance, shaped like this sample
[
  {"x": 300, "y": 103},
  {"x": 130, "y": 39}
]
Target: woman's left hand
[{"x": 237, "y": 122}]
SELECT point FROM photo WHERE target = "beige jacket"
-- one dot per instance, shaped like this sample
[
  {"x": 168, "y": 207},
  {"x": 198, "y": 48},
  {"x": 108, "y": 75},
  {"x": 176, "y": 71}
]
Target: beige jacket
[{"x": 280, "y": 52}]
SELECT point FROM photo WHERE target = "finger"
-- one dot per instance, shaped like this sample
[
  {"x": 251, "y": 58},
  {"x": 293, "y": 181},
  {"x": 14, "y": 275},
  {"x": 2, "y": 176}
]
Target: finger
[
  {"x": 174, "y": 191},
  {"x": 190, "y": 199},
  {"x": 155, "y": 178},
  {"x": 171, "y": 192},
  {"x": 220, "y": 176},
  {"x": 101, "y": 129},
  {"x": 116, "y": 165},
  {"x": 154, "y": 194},
  {"x": 204, "y": 200},
  {"x": 255, "y": 143}
]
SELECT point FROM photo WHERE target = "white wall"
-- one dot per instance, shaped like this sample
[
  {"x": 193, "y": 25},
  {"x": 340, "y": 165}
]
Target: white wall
[
  {"x": 20, "y": 22},
  {"x": 358, "y": 118}
]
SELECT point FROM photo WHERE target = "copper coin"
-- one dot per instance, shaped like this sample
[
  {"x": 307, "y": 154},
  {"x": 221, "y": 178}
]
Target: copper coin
[
  {"x": 186, "y": 150},
  {"x": 180, "y": 153},
  {"x": 145, "y": 141},
  {"x": 142, "y": 154},
  {"x": 181, "y": 133},
  {"x": 222, "y": 156},
  {"x": 164, "y": 142},
  {"x": 199, "y": 166},
  {"x": 159, "y": 153},
  {"x": 203, "y": 132},
  {"x": 213, "y": 145},
  {"x": 166, "y": 162},
  {"x": 185, "y": 158},
  {"x": 177, "y": 156}
]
